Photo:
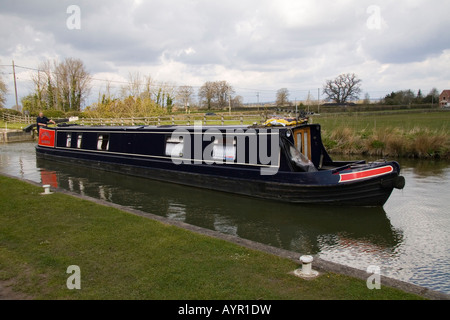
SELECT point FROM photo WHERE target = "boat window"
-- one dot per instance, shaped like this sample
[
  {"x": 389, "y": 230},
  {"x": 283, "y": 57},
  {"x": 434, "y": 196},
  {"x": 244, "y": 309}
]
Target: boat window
[
  {"x": 174, "y": 147},
  {"x": 103, "y": 142},
  {"x": 299, "y": 141},
  {"x": 69, "y": 140},
  {"x": 300, "y": 160},
  {"x": 305, "y": 150},
  {"x": 79, "y": 140},
  {"x": 302, "y": 144},
  {"x": 224, "y": 150}
]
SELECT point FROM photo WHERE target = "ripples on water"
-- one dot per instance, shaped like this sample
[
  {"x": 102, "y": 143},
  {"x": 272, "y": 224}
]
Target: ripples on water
[{"x": 408, "y": 238}]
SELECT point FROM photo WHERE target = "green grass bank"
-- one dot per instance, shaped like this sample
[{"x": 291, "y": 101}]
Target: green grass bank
[
  {"x": 124, "y": 256},
  {"x": 420, "y": 135}
]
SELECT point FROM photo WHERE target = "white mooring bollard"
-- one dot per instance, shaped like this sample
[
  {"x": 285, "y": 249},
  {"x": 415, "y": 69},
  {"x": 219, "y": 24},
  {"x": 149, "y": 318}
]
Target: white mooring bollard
[
  {"x": 306, "y": 271},
  {"x": 46, "y": 189}
]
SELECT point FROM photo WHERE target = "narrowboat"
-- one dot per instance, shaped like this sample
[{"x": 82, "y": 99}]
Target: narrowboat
[{"x": 279, "y": 160}]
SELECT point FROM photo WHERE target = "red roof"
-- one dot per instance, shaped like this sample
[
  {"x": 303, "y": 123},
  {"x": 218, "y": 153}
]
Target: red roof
[
  {"x": 444, "y": 98},
  {"x": 445, "y": 93}
]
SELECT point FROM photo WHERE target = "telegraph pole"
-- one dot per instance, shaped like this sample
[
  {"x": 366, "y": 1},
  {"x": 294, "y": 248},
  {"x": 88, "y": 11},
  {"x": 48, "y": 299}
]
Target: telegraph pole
[
  {"x": 15, "y": 84},
  {"x": 257, "y": 99},
  {"x": 229, "y": 101},
  {"x": 318, "y": 100}
]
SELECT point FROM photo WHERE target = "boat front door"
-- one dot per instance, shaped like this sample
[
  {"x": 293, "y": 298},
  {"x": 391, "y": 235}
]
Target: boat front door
[{"x": 302, "y": 139}]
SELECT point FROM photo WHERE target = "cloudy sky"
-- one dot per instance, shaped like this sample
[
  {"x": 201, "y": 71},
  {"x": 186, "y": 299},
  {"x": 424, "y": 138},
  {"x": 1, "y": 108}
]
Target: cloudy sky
[{"x": 255, "y": 45}]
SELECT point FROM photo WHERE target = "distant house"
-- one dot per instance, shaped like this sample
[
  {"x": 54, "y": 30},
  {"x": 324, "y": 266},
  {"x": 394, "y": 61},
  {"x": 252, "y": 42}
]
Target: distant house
[{"x": 444, "y": 99}]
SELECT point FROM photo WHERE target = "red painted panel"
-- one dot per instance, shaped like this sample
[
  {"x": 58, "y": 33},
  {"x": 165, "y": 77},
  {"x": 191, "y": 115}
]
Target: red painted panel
[{"x": 46, "y": 138}]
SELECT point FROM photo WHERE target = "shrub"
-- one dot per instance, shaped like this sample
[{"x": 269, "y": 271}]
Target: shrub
[
  {"x": 10, "y": 111},
  {"x": 426, "y": 144},
  {"x": 377, "y": 144},
  {"x": 126, "y": 108},
  {"x": 396, "y": 145}
]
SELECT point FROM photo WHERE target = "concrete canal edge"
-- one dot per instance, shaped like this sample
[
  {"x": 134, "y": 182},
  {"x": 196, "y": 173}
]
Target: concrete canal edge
[
  {"x": 7, "y": 135},
  {"x": 318, "y": 264}
]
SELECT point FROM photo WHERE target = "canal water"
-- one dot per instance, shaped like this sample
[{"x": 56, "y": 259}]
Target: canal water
[{"x": 408, "y": 239}]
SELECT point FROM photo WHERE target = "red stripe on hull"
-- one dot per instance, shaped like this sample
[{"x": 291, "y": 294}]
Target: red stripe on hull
[{"x": 347, "y": 177}]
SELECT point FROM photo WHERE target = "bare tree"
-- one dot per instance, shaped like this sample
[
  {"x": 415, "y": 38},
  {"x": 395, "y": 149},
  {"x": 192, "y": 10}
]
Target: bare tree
[
  {"x": 62, "y": 87},
  {"x": 344, "y": 88},
  {"x": 237, "y": 101},
  {"x": 107, "y": 96},
  {"x": 45, "y": 87},
  {"x": 39, "y": 81},
  {"x": 224, "y": 91},
  {"x": 367, "y": 98},
  {"x": 50, "y": 92},
  {"x": 3, "y": 92},
  {"x": 309, "y": 99},
  {"x": 169, "y": 88},
  {"x": 217, "y": 92},
  {"x": 72, "y": 84},
  {"x": 165, "y": 94},
  {"x": 133, "y": 88},
  {"x": 148, "y": 85},
  {"x": 432, "y": 96},
  {"x": 184, "y": 95},
  {"x": 108, "y": 89},
  {"x": 282, "y": 97},
  {"x": 207, "y": 93}
]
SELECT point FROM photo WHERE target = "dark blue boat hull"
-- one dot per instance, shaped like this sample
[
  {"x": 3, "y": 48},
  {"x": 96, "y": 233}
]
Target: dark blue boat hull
[{"x": 309, "y": 188}]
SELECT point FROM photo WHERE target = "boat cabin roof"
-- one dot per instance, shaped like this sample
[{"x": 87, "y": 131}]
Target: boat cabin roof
[{"x": 172, "y": 127}]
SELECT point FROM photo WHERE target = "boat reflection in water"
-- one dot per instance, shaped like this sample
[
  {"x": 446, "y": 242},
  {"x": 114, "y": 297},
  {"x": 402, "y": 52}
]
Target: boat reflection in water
[{"x": 306, "y": 229}]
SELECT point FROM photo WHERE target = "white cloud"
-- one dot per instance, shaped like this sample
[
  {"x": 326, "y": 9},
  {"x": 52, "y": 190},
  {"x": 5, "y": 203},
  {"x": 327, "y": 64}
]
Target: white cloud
[{"x": 264, "y": 44}]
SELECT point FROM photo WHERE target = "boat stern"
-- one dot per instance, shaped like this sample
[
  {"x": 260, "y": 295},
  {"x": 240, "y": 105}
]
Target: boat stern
[
  {"x": 372, "y": 182},
  {"x": 390, "y": 170}
]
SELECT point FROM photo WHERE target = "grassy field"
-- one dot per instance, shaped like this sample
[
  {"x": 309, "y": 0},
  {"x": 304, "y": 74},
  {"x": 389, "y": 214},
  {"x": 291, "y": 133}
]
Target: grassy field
[
  {"x": 122, "y": 256},
  {"x": 409, "y": 134},
  {"x": 406, "y": 121},
  {"x": 9, "y": 125}
]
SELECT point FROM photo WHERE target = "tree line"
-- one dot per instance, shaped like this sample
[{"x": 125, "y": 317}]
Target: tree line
[
  {"x": 64, "y": 86},
  {"x": 347, "y": 87},
  {"x": 60, "y": 86},
  {"x": 407, "y": 97}
]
